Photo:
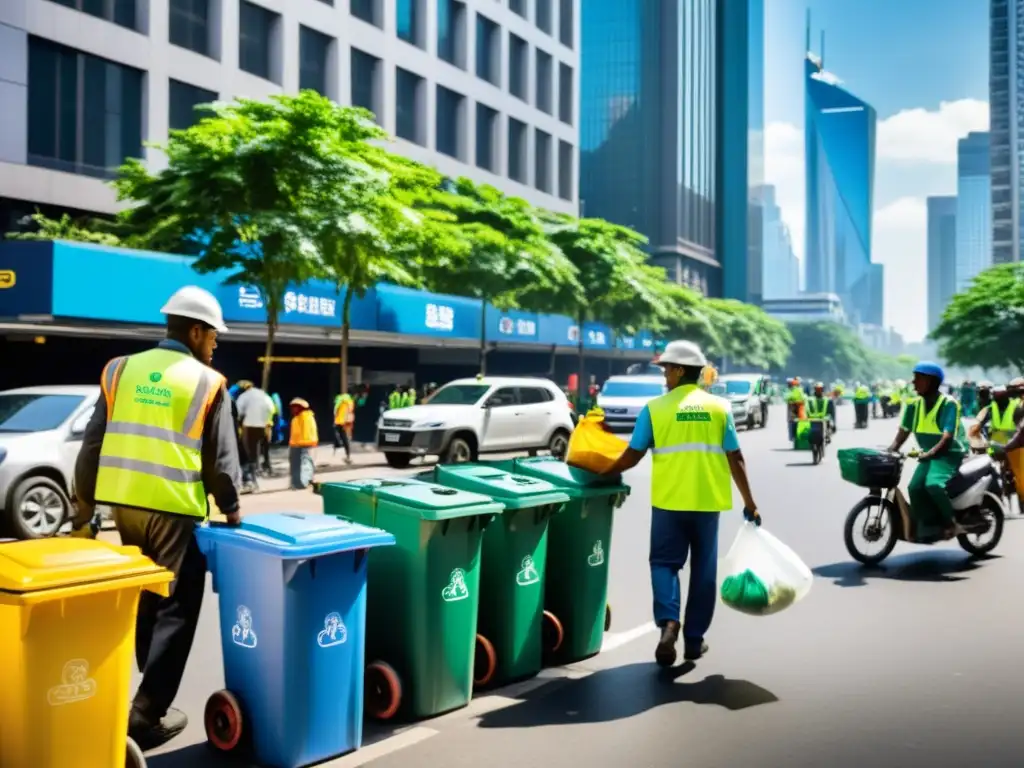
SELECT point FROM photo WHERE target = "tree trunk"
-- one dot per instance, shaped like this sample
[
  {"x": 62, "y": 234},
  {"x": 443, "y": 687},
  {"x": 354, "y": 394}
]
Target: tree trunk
[
  {"x": 346, "y": 311},
  {"x": 268, "y": 352},
  {"x": 581, "y": 387},
  {"x": 483, "y": 337}
]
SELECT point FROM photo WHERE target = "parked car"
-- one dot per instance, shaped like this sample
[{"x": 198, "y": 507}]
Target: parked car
[
  {"x": 41, "y": 431},
  {"x": 748, "y": 395},
  {"x": 623, "y": 397},
  {"x": 469, "y": 417}
]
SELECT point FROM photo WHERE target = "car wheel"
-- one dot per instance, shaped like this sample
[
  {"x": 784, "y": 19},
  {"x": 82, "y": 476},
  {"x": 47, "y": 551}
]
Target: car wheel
[
  {"x": 39, "y": 508},
  {"x": 559, "y": 444},
  {"x": 459, "y": 451},
  {"x": 397, "y": 460}
]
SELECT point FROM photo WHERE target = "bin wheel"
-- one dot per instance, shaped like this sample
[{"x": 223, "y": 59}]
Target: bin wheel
[
  {"x": 553, "y": 632},
  {"x": 133, "y": 757},
  {"x": 486, "y": 662},
  {"x": 382, "y": 690},
  {"x": 224, "y": 721},
  {"x": 607, "y": 616}
]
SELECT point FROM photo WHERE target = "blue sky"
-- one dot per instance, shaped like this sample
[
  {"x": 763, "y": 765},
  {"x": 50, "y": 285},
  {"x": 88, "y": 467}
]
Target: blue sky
[{"x": 923, "y": 65}]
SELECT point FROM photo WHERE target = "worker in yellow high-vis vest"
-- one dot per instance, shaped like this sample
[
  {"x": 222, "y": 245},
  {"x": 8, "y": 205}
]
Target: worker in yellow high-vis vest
[
  {"x": 160, "y": 440},
  {"x": 696, "y": 455}
]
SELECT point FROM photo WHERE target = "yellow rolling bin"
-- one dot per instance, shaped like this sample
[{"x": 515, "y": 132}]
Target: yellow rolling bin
[{"x": 67, "y": 636}]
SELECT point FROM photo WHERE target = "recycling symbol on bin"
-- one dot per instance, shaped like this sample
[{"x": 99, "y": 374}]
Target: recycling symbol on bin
[
  {"x": 75, "y": 684},
  {"x": 528, "y": 573},
  {"x": 596, "y": 558},
  {"x": 334, "y": 631},
  {"x": 456, "y": 589}
]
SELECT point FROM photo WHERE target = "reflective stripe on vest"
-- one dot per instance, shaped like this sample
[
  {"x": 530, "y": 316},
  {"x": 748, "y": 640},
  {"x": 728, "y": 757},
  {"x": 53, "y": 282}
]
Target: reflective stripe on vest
[
  {"x": 691, "y": 470},
  {"x": 1001, "y": 422},
  {"x": 817, "y": 408},
  {"x": 928, "y": 423},
  {"x": 151, "y": 454}
]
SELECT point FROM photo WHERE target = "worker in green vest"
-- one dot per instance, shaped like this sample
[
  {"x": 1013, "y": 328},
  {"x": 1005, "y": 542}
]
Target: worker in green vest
[
  {"x": 935, "y": 422},
  {"x": 160, "y": 440},
  {"x": 396, "y": 399},
  {"x": 409, "y": 396},
  {"x": 696, "y": 451},
  {"x": 821, "y": 407},
  {"x": 794, "y": 404},
  {"x": 861, "y": 404}
]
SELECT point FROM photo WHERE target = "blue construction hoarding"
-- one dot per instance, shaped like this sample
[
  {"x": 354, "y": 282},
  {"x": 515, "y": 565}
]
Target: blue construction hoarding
[{"x": 100, "y": 283}]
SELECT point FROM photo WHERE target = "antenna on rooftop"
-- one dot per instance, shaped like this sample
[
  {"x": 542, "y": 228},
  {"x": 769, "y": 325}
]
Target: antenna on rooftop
[
  {"x": 821, "y": 54},
  {"x": 807, "y": 44}
]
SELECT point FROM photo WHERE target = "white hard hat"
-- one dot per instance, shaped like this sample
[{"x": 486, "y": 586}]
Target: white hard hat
[
  {"x": 682, "y": 353},
  {"x": 197, "y": 304}
]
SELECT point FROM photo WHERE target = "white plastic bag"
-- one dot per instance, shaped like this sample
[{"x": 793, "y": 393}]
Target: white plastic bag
[{"x": 758, "y": 563}]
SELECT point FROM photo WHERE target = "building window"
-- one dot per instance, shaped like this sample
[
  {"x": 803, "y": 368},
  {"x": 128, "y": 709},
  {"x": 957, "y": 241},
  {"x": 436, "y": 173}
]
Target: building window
[
  {"x": 314, "y": 54},
  {"x": 486, "y": 128},
  {"x": 451, "y": 32},
  {"x": 84, "y": 112},
  {"x": 183, "y": 100},
  {"x": 518, "y": 67},
  {"x": 255, "y": 34},
  {"x": 488, "y": 50},
  {"x": 121, "y": 12},
  {"x": 517, "y": 150},
  {"x": 542, "y": 161},
  {"x": 409, "y": 22},
  {"x": 450, "y": 118},
  {"x": 542, "y": 15},
  {"x": 566, "y": 23},
  {"x": 366, "y": 83},
  {"x": 565, "y": 170},
  {"x": 518, "y": 7},
  {"x": 543, "y": 89},
  {"x": 565, "y": 100},
  {"x": 190, "y": 25},
  {"x": 409, "y": 103},
  {"x": 367, "y": 10}
]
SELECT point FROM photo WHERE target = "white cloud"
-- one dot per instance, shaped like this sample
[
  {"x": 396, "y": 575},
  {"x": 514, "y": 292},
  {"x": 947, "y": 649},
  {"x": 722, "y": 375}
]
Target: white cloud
[
  {"x": 917, "y": 135},
  {"x": 784, "y": 168}
]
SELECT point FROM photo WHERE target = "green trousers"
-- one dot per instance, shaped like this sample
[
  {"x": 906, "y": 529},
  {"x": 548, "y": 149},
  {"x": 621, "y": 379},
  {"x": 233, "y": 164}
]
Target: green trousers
[{"x": 929, "y": 501}]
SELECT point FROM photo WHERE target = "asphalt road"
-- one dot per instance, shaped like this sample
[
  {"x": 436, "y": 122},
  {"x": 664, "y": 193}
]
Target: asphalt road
[{"x": 910, "y": 664}]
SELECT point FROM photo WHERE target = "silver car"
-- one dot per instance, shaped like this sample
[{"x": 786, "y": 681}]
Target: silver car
[
  {"x": 623, "y": 398},
  {"x": 41, "y": 431}
]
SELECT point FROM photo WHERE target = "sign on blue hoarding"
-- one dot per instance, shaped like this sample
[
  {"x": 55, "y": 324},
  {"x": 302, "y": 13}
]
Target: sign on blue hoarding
[
  {"x": 313, "y": 303},
  {"x": 26, "y": 279},
  {"x": 512, "y": 326},
  {"x": 403, "y": 310}
]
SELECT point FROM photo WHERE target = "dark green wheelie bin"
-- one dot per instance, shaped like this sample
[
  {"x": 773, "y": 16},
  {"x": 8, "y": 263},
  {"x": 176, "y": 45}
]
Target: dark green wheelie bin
[
  {"x": 421, "y": 615},
  {"x": 512, "y": 617},
  {"x": 579, "y": 544}
]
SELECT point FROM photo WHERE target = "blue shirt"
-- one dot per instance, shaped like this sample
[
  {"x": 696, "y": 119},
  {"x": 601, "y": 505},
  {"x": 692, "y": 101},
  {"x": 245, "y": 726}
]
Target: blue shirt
[{"x": 643, "y": 433}]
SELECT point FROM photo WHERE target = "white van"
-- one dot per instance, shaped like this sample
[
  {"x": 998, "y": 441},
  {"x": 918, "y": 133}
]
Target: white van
[{"x": 623, "y": 397}]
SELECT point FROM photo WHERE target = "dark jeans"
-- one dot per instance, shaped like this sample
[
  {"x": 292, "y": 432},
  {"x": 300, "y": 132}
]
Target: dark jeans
[
  {"x": 253, "y": 437},
  {"x": 674, "y": 536},
  {"x": 341, "y": 440},
  {"x": 166, "y": 626},
  {"x": 295, "y": 454}
]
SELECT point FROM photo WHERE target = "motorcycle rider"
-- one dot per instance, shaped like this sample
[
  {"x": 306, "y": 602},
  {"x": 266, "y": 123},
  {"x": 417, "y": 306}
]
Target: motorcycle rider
[
  {"x": 821, "y": 407},
  {"x": 1000, "y": 417},
  {"x": 934, "y": 420},
  {"x": 794, "y": 405}
]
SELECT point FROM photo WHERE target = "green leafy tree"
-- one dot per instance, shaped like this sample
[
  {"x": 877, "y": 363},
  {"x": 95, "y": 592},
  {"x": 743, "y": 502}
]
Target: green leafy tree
[
  {"x": 66, "y": 228},
  {"x": 747, "y": 335},
  {"x": 983, "y": 326},
  {"x": 828, "y": 351},
  {"x": 241, "y": 189}
]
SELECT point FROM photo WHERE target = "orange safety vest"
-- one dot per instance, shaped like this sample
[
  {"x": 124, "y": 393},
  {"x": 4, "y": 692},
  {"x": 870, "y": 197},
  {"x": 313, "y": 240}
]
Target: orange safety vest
[{"x": 303, "y": 431}]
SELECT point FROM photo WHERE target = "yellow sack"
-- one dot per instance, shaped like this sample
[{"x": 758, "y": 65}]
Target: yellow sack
[
  {"x": 1016, "y": 459},
  {"x": 591, "y": 446}
]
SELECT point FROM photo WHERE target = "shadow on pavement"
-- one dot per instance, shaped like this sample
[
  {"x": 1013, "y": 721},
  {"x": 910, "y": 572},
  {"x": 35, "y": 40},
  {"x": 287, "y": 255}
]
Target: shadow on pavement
[
  {"x": 624, "y": 692},
  {"x": 934, "y": 566},
  {"x": 801, "y": 464}
]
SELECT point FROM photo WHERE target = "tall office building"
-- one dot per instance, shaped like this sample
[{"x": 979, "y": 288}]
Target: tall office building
[
  {"x": 665, "y": 85},
  {"x": 840, "y": 172},
  {"x": 941, "y": 256},
  {"x": 473, "y": 87},
  {"x": 973, "y": 208},
  {"x": 780, "y": 266},
  {"x": 1006, "y": 117}
]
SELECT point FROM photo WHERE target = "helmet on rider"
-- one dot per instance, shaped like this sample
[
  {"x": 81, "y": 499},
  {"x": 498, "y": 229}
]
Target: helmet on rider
[
  {"x": 819, "y": 387},
  {"x": 927, "y": 377}
]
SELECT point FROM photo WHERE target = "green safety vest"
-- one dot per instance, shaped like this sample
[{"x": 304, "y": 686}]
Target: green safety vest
[
  {"x": 395, "y": 400},
  {"x": 817, "y": 408},
  {"x": 157, "y": 402},
  {"x": 926, "y": 425},
  {"x": 795, "y": 395},
  {"x": 408, "y": 399},
  {"x": 1001, "y": 423},
  {"x": 862, "y": 393},
  {"x": 691, "y": 470}
]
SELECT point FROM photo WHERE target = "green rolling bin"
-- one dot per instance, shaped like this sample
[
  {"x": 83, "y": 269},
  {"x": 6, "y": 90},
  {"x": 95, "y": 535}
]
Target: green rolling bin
[
  {"x": 512, "y": 616},
  {"x": 579, "y": 544},
  {"x": 421, "y": 616}
]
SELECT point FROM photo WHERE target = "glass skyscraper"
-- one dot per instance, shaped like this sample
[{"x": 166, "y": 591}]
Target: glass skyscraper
[
  {"x": 654, "y": 90},
  {"x": 1006, "y": 118},
  {"x": 973, "y": 208},
  {"x": 840, "y": 169},
  {"x": 781, "y": 268},
  {"x": 941, "y": 256}
]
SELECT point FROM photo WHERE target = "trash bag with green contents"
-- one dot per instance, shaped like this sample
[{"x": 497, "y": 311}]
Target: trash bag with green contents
[{"x": 762, "y": 575}]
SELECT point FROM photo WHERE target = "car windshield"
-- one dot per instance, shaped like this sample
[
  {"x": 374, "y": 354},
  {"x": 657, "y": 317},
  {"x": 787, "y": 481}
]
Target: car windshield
[
  {"x": 35, "y": 412},
  {"x": 459, "y": 394},
  {"x": 633, "y": 389},
  {"x": 732, "y": 388}
]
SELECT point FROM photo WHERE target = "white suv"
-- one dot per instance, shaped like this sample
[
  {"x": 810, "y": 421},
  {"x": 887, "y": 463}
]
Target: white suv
[{"x": 468, "y": 417}]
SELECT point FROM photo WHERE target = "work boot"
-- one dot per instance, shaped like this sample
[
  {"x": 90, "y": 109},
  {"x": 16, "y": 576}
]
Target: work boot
[
  {"x": 693, "y": 650},
  {"x": 665, "y": 653},
  {"x": 149, "y": 735}
]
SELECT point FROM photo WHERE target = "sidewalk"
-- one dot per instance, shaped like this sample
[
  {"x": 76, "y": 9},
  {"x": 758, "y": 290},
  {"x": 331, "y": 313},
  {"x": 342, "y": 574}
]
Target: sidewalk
[{"x": 327, "y": 460}]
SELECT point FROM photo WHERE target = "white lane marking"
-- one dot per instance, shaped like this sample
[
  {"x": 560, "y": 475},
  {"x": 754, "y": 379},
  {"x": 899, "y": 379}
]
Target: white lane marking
[
  {"x": 382, "y": 748},
  {"x": 619, "y": 639}
]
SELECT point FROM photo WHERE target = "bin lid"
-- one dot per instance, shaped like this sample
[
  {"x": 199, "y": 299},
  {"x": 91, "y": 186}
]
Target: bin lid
[
  {"x": 576, "y": 482},
  {"x": 32, "y": 566},
  {"x": 295, "y": 535},
  {"x": 428, "y": 501},
  {"x": 514, "y": 491}
]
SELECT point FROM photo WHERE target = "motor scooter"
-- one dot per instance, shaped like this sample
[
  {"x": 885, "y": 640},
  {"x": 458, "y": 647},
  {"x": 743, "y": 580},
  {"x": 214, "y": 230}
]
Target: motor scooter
[{"x": 883, "y": 517}]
